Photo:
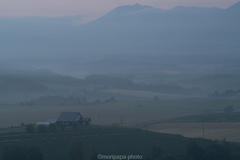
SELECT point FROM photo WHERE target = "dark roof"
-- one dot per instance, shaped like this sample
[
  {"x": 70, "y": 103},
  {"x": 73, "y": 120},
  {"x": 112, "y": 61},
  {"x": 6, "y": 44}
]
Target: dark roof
[
  {"x": 86, "y": 119},
  {"x": 69, "y": 117}
]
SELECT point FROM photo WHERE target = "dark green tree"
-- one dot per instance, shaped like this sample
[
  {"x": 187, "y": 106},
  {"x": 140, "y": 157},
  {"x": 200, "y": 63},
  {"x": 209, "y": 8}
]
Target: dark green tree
[
  {"x": 62, "y": 127},
  {"x": 42, "y": 128},
  {"x": 75, "y": 125},
  {"x": 52, "y": 127},
  {"x": 218, "y": 152},
  {"x": 30, "y": 128},
  {"x": 22, "y": 124},
  {"x": 112, "y": 99}
]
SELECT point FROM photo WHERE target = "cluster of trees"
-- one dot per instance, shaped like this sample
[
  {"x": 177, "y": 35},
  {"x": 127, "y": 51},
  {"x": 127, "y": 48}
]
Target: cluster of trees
[
  {"x": 104, "y": 82},
  {"x": 27, "y": 103},
  {"x": 31, "y": 128},
  {"x": 41, "y": 128},
  {"x": 218, "y": 151},
  {"x": 98, "y": 101},
  {"x": 226, "y": 93},
  {"x": 60, "y": 100}
]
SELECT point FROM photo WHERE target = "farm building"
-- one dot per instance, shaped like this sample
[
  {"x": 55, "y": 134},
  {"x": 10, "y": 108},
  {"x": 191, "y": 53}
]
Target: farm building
[
  {"x": 47, "y": 123},
  {"x": 69, "y": 118}
]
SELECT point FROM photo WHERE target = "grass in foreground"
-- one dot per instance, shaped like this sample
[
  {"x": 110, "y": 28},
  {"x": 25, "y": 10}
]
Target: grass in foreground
[{"x": 106, "y": 141}]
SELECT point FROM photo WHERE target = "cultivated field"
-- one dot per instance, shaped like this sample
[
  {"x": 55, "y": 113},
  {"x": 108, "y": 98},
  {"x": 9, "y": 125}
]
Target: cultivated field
[
  {"x": 215, "y": 131},
  {"x": 136, "y": 114},
  {"x": 104, "y": 115}
]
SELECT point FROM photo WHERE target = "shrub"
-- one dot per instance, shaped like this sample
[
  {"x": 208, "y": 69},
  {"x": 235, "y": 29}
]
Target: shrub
[
  {"x": 52, "y": 127},
  {"x": 30, "y": 128},
  {"x": 62, "y": 127},
  {"x": 42, "y": 128},
  {"x": 75, "y": 125}
]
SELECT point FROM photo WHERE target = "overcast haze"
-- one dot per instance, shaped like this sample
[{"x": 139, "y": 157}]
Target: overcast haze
[
  {"x": 177, "y": 46},
  {"x": 92, "y": 9}
]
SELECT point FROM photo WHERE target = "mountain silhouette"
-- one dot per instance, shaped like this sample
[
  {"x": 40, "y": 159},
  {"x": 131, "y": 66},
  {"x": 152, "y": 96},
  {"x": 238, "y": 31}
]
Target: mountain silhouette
[
  {"x": 126, "y": 30},
  {"x": 235, "y": 7}
]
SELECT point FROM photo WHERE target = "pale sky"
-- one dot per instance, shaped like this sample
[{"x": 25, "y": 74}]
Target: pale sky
[{"x": 92, "y": 8}]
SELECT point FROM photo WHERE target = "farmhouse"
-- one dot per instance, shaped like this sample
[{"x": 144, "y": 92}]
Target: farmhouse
[{"x": 70, "y": 118}]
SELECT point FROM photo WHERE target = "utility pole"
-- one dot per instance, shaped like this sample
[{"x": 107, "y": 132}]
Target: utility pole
[
  {"x": 99, "y": 119},
  {"x": 121, "y": 120},
  {"x": 203, "y": 129}
]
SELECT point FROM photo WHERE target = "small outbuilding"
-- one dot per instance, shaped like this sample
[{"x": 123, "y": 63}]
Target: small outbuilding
[
  {"x": 43, "y": 123},
  {"x": 47, "y": 123}
]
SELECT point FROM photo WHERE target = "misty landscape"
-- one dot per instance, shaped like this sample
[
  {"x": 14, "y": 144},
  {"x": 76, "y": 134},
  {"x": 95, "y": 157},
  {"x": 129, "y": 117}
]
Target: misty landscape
[{"x": 164, "y": 82}]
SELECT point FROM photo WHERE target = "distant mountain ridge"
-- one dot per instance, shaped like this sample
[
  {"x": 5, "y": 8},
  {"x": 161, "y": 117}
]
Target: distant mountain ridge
[
  {"x": 128, "y": 32},
  {"x": 131, "y": 9},
  {"x": 180, "y": 25},
  {"x": 235, "y": 7}
]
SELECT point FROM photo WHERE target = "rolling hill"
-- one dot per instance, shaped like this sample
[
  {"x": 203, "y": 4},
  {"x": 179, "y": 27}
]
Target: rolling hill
[
  {"x": 171, "y": 36},
  {"x": 183, "y": 48}
]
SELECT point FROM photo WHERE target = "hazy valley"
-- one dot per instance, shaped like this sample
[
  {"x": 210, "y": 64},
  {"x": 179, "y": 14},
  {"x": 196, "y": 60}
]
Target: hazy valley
[
  {"x": 183, "y": 51},
  {"x": 171, "y": 71}
]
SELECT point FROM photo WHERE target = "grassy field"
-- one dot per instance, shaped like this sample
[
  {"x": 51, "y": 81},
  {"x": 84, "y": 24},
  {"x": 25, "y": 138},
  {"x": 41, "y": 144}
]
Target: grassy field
[
  {"x": 132, "y": 113},
  {"x": 152, "y": 115},
  {"x": 214, "y": 131},
  {"x": 219, "y": 125},
  {"x": 55, "y": 146},
  {"x": 105, "y": 141}
]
